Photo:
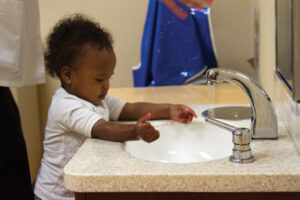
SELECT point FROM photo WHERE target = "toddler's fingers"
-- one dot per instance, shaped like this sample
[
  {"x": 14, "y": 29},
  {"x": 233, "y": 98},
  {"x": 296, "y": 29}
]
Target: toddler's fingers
[
  {"x": 155, "y": 136},
  {"x": 190, "y": 119},
  {"x": 179, "y": 119},
  {"x": 189, "y": 110},
  {"x": 145, "y": 118},
  {"x": 151, "y": 136}
]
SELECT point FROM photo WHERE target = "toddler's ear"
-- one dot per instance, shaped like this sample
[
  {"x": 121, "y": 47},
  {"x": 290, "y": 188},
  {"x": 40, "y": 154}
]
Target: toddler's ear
[{"x": 66, "y": 74}]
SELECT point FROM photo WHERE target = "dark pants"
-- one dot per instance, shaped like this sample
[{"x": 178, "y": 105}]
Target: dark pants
[{"x": 15, "y": 180}]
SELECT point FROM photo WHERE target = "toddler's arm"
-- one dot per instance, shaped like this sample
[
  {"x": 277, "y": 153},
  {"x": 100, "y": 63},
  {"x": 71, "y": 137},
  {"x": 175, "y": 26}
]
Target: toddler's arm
[
  {"x": 142, "y": 129},
  {"x": 122, "y": 132},
  {"x": 133, "y": 111}
]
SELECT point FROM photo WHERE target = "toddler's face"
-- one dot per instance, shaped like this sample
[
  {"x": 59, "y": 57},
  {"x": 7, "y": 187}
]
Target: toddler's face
[{"x": 91, "y": 73}]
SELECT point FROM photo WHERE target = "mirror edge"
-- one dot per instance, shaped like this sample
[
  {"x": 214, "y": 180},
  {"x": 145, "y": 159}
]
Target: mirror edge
[
  {"x": 294, "y": 89},
  {"x": 296, "y": 49},
  {"x": 285, "y": 83}
]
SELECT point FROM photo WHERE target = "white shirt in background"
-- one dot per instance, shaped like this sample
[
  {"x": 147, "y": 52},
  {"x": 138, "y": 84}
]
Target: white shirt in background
[
  {"x": 70, "y": 121},
  {"x": 21, "y": 55}
]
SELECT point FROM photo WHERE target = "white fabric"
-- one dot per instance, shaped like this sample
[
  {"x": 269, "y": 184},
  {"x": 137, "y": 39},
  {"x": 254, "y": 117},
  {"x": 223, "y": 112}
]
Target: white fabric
[
  {"x": 70, "y": 121},
  {"x": 21, "y": 55}
]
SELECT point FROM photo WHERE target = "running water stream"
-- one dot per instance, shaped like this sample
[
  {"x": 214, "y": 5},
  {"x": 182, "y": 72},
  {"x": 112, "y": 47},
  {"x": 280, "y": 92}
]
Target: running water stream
[{"x": 211, "y": 98}]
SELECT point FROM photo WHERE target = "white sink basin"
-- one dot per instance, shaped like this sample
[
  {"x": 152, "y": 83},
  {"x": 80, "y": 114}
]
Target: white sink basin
[{"x": 184, "y": 143}]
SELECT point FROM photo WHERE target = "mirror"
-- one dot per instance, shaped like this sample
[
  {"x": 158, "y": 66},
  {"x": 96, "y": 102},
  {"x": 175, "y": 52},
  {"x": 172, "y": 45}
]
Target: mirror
[
  {"x": 284, "y": 40},
  {"x": 287, "y": 39}
]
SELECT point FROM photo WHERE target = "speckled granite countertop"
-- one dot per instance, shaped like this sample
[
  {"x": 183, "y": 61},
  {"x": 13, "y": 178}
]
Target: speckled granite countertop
[{"x": 103, "y": 166}]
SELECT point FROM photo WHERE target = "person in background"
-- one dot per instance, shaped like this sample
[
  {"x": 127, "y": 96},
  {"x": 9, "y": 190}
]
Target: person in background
[
  {"x": 21, "y": 64},
  {"x": 81, "y": 55},
  {"x": 174, "y": 51}
]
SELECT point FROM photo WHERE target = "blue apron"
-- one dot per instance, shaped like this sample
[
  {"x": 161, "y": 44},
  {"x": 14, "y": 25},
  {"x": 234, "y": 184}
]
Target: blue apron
[{"x": 174, "y": 50}]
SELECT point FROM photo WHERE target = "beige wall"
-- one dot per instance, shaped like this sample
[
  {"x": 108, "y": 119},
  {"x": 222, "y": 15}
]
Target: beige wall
[{"x": 232, "y": 24}]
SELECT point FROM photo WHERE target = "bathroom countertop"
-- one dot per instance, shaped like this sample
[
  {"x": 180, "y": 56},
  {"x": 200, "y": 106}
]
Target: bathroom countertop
[{"x": 103, "y": 166}]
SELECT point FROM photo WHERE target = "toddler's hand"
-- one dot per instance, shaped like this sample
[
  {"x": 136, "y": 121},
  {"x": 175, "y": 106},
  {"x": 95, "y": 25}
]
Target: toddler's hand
[
  {"x": 145, "y": 130},
  {"x": 182, "y": 113}
]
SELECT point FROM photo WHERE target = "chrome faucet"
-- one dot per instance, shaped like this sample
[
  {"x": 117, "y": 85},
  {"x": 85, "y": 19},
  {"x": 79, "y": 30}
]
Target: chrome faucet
[{"x": 264, "y": 118}]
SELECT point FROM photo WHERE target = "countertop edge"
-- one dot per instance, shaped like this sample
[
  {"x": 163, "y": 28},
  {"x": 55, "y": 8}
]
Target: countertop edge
[{"x": 183, "y": 183}]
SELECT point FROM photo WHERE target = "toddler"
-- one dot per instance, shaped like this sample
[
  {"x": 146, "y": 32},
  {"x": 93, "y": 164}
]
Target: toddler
[{"x": 80, "y": 53}]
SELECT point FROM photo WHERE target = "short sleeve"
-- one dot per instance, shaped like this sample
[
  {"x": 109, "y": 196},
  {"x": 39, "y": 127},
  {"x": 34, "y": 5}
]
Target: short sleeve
[
  {"x": 115, "y": 107},
  {"x": 74, "y": 116}
]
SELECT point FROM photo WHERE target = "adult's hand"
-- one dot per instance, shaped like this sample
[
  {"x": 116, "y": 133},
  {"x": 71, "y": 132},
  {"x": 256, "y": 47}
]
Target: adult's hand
[{"x": 179, "y": 12}]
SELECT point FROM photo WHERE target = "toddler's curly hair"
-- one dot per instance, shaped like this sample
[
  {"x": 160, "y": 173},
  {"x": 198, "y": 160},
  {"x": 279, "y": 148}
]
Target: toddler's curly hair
[{"x": 66, "y": 41}]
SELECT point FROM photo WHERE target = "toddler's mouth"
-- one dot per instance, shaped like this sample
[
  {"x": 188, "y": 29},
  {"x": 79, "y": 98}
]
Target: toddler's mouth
[{"x": 102, "y": 96}]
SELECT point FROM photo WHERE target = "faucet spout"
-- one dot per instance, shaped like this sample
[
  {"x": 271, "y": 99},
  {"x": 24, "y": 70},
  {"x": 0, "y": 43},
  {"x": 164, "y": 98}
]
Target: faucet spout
[{"x": 264, "y": 118}]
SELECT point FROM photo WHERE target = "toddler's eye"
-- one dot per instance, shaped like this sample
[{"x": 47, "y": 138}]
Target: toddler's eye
[{"x": 99, "y": 80}]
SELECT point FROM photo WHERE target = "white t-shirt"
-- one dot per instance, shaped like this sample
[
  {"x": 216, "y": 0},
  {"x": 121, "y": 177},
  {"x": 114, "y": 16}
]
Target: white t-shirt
[{"x": 70, "y": 122}]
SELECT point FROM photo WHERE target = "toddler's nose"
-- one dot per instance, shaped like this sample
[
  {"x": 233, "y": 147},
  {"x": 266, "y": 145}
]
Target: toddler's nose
[{"x": 105, "y": 85}]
